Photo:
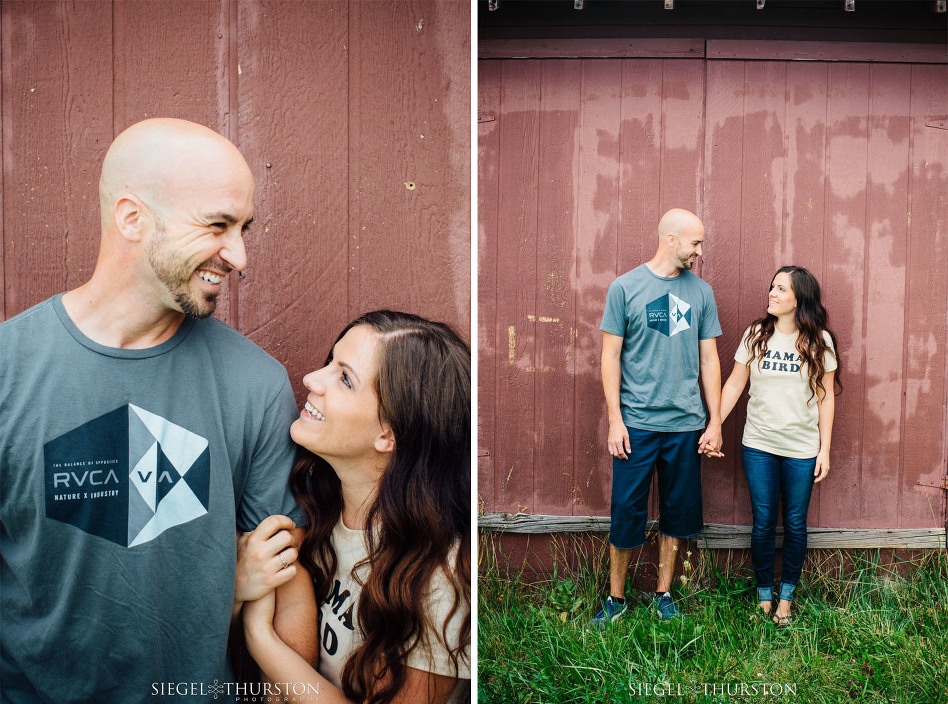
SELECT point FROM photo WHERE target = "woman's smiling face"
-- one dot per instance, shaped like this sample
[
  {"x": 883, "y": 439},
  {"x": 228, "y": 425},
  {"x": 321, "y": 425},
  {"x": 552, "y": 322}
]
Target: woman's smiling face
[
  {"x": 781, "y": 299},
  {"x": 340, "y": 419}
]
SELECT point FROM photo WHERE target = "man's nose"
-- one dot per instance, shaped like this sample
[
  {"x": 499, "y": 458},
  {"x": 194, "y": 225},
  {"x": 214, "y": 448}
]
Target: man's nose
[{"x": 233, "y": 252}]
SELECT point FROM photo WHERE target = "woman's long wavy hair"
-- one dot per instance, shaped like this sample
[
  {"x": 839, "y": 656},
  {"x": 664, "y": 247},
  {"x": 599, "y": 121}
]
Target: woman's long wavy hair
[
  {"x": 811, "y": 320},
  {"x": 421, "y": 512}
]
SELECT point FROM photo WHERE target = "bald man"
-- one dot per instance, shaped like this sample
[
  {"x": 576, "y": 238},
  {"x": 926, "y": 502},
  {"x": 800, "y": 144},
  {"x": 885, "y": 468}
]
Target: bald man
[
  {"x": 138, "y": 435},
  {"x": 658, "y": 338}
]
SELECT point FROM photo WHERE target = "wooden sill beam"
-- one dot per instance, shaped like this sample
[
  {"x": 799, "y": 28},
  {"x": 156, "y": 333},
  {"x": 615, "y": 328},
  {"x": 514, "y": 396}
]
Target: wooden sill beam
[{"x": 720, "y": 536}]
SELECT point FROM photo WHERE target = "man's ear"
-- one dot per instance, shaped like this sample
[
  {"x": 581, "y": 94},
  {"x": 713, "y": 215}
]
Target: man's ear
[
  {"x": 131, "y": 218},
  {"x": 386, "y": 441}
]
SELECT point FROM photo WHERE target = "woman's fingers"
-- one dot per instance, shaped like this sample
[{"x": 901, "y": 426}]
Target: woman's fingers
[{"x": 265, "y": 558}]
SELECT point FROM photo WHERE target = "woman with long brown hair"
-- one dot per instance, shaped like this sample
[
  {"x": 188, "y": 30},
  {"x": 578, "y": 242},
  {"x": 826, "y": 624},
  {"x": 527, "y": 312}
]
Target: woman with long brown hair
[
  {"x": 385, "y": 484},
  {"x": 791, "y": 357}
]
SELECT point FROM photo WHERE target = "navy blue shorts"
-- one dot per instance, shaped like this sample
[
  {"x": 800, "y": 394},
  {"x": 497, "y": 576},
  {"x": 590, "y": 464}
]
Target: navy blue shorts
[{"x": 675, "y": 456}]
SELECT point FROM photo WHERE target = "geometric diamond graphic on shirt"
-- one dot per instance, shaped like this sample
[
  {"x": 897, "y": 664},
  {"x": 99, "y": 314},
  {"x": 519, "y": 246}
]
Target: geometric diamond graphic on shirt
[
  {"x": 668, "y": 314},
  {"x": 127, "y": 476}
]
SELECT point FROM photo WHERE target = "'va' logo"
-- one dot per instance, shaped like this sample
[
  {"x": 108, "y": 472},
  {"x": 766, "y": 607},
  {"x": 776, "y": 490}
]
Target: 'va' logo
[
  {"x": 127, "y": 476},
  {"x": 669, "y": 315}
]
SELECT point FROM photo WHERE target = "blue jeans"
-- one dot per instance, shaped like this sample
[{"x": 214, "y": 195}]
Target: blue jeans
[{"x": 771, "y": 478}]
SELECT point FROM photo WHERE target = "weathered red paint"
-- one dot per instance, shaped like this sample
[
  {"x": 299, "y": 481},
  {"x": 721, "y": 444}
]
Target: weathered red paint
[
  {"x": 353, "y": 117},
  {"x": 828, "y": 165}
]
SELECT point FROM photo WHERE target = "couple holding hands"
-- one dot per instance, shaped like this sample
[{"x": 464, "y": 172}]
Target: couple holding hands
[{"x": 659, "y": 329}]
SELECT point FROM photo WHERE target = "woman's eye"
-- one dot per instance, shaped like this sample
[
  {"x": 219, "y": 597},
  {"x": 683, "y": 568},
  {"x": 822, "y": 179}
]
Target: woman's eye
[{"x": 345, "y": 380}]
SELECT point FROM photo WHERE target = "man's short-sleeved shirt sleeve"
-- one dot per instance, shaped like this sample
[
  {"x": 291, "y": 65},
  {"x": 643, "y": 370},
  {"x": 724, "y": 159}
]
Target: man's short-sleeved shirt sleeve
[{"x": 661, "y": 321}]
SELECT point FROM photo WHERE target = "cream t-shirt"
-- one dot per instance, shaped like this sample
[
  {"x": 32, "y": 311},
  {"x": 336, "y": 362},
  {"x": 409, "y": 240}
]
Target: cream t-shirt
[
  {"x": 338, "y": 618},
  {"x": 782, "y": 419}
]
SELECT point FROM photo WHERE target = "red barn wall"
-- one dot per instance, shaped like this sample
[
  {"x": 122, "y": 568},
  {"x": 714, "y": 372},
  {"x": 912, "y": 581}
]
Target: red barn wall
[
  {"x": 839, "y": 166},
  {"x": 353, "y": 117}
]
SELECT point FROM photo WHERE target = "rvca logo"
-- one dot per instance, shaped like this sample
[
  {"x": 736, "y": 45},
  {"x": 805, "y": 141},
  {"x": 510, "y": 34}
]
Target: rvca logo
[
  {"x": 127, "y": 476},
  {"x": 668, "y": 315}
]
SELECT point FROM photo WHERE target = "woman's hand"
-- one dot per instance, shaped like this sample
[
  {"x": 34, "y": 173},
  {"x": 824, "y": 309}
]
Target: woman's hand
[
  {"x": 822, "y": 466},
  {"x": 265, "y": 559}
]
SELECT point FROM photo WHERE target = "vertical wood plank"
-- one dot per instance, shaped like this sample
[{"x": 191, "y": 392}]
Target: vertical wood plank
[
  {"x": 640, "y": 177},
  {"x": 806, "y": 156},
  {"x": 410, "y": 157},
  {"x": 682, "y": 135},
  {"x": 56, "y": 128},
  {"x": 292, "y": 128},
  {"x": 846, "y": 492},
  {"x": 723, "y": 484},
  {"x": 597, "y": 237},
  {"x": 154, "y": 80},
  {"x": 553, "y": 321},
  {"x": 517, "y": 283},
  {"x": 887, "y": 205},
  {"x": 491, "y": 346},
  {"x": 926, "y": 304}
]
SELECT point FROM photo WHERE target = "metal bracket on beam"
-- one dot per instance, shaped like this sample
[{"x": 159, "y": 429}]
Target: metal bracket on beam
[
  {"x": 940, "y": 125},
  {"x": 943, "y": 486},
  {"x": 760, "y": 4},
  {"x": 850, "y": 5},
  {"x": 492, "y": 5},
  {"x": 577, "y": 4},
  {"x": 941, "y": 6},
  {"x": 669, "y": 4}
]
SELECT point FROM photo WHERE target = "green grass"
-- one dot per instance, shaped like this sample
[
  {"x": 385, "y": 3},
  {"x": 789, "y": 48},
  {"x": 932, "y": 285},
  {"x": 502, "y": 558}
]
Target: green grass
[{"x": 860, "y": 633}]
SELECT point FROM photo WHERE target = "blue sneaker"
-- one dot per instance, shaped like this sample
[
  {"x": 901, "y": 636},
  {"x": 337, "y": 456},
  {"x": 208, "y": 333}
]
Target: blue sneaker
[
  {"x": 665, "y": 607},
  {"x": 609, "y": 611}
]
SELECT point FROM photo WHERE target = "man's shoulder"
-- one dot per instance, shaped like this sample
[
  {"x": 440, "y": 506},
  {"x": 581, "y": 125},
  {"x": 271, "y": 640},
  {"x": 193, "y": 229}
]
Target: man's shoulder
[
  {"x": 28, "y": 316},
  {"x": 638, "y": 272},
  {"x": 694, "y": 280},
  {"x": 631, "y": 280},
  {"x": 236, "y": 349}
]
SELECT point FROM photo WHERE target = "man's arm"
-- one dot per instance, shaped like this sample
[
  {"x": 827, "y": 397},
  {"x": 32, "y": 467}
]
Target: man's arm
[
  {"x": 611, "y": 368},
  {"x": 711, "y": 441}
]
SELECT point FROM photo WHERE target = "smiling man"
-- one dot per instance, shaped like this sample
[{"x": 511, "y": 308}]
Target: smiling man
[
  {"x": 658, "y": 337},
  {"x": 138, "y": 435}
]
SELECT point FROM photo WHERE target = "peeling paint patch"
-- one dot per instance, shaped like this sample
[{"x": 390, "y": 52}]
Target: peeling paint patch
[
  {"x": 542, "y": 319},
  {"x": 511, "y": 344}
]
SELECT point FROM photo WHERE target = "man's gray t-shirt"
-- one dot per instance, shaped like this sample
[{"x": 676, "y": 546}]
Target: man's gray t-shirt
[
  {"x": 125, "y": 476},
  {"x": 661, "y": 321}
]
